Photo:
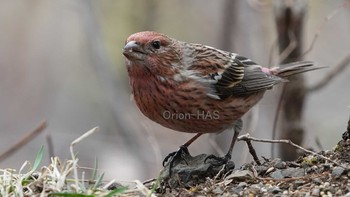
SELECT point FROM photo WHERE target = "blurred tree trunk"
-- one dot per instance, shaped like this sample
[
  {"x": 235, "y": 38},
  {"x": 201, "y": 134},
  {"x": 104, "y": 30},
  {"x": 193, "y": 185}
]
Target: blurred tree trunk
[
  {"x": 226, "y": 36},
  {"x": 290, "y": 16},
  {"x": 229, "y": 24}
]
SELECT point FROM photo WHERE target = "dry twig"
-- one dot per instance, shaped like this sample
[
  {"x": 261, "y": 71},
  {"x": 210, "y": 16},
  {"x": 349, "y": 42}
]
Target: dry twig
[
  {"x": 247, "y": 137},
  {"x": 325, "y": 21},
  {"x": 277, "y": 115},
  {"x": 252, "y": 152},
  {"x": 331, "y": 74},
  {"x": 24, "y": 140}
]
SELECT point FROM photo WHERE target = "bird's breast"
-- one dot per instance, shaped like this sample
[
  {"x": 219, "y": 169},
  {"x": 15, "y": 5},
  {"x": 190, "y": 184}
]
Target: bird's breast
[{"x": 186, "y": 107}]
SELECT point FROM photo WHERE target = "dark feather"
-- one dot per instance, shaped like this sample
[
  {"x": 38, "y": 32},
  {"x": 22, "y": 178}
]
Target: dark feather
[
  {"x": 294, "y": 68},
  {"x": 254, "y": 80},
  {"x": 232, "y": 75}
]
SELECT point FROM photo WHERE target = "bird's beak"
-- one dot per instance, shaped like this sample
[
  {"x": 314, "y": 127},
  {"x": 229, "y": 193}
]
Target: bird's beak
[
  {"x": 130, "y": 46},
  {"x": 133, "y": 50}
]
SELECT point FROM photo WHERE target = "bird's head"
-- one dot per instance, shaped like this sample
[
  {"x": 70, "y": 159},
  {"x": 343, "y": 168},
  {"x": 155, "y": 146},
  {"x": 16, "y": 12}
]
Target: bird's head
[{"x": 151, "y": 52}]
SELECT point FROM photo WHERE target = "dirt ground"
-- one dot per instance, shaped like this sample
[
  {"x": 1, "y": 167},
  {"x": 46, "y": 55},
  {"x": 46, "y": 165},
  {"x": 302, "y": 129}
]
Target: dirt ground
[{"x": 309, "y": 175}]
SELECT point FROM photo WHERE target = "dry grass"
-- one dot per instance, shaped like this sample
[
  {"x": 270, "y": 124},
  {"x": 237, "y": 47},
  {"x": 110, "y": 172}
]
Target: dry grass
[{"x": 63, "y": 179}]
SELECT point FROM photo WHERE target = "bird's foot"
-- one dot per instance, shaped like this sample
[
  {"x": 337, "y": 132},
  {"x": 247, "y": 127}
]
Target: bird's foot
[
  {"x": 182, "y": 169},
  {"x": 175, "y": 156}
]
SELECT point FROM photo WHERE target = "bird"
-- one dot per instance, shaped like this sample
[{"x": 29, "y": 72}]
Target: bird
[{"x": 195, "y": 88}]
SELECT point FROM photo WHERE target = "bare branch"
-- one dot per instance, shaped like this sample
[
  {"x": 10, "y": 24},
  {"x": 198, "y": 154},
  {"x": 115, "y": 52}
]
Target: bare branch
[
  {"x": 277, "y": 115},
  {"x": 325, "y": 21},
  {"x": 247, "y": 137},
  {"x": 337, "y": 69},
  {"x": 271, "y": 53},
  {"x": 252, "y": 122},
  {"x": 23, "y": 141},
  {"x": 253, "y": 152},
  {"x": 293, "y": 43}
]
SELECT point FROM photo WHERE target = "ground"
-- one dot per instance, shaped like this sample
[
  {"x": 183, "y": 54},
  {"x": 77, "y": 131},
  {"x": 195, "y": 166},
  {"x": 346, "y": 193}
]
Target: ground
[
  {"x": 313, "y": 174},
  {"x": 309, "y": 175}
]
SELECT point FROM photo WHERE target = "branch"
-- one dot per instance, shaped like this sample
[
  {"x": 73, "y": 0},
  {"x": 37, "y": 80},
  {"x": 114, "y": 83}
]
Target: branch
[
  {"x": 293, "y": 44},
  {"x": 277, "y": 115},
  {"x": 27, "y": 138},
  {"x": 337, "y": 69},
  {"x": 252, "y": 152},
  {"x": 246, "y": 137},
  {"x": 325, "y": 21}
]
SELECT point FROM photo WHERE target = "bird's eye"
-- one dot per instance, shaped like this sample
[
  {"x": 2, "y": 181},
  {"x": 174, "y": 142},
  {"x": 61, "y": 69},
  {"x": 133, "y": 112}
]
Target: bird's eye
[{"x": 156, "y": 44}]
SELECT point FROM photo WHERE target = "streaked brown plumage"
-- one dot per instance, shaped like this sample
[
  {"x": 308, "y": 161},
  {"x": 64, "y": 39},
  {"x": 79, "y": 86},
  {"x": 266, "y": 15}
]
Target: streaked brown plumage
[{"x": 174, "y": 82}]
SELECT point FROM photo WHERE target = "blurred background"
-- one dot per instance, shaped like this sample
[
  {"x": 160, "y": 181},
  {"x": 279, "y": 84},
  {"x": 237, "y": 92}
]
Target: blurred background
[{"x": 61, "y": 61}]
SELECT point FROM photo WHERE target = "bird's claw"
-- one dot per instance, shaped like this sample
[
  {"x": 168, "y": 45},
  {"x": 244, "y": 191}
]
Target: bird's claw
[
  {"x": 175, "y": 155},
  {"x": 168, "y": 156}
]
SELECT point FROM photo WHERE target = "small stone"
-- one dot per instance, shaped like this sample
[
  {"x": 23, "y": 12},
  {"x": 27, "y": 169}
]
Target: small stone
[
  {"x": 281, "y": 165},
  {"x": 314, "y": 168},
  {"x": 338, "y": 171},
  {"x": 241, "y": 175},
  {"x": 315, "y": 192},
  {"x": 327, "y": 166},
  {"x": 242, "y": 184},
  {"x": 255, "y": 188},
  {"x": 293, "y": 172},
  {"x": 326, "y": 184},
  {"x": 261, "y": 170},
  {"x": 277, "y": 174},
  {"x": 237, "y": 190},
  {"x": 240, "y": 187},
  {"x": 276, "y": 190},
  {"x": 339, "y": 192},
  {"x": 218, "y": 191},
  {"x": 276, "y": 161},
  {"x": 317, "y": 181}
]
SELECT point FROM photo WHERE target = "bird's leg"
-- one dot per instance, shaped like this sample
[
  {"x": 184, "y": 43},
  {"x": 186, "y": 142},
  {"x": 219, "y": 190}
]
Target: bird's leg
[
  {"x": 223, "y": 160},
  {"x": 179, "y": 153},
  {"x": 183, "y": 149}
]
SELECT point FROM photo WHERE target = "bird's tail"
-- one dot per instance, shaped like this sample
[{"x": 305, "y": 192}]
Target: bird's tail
[{"x": 295, "y": 68}]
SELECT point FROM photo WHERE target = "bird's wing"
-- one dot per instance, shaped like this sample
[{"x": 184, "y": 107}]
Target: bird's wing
[
  {"x": 213, "y": 66},
  {"x": 227, "y": 74}
]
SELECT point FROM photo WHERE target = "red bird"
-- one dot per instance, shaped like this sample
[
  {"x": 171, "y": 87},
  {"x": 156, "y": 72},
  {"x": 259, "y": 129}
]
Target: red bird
[{"x": 196, "y": 88}]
